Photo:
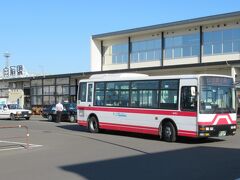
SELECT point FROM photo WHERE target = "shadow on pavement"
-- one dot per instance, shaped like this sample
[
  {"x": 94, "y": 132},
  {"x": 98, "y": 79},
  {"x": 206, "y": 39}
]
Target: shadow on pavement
[
  {"x": 185, "y": 140},
  {"x": 194, "y": 163},
  {"x": 73, "y": 127}
]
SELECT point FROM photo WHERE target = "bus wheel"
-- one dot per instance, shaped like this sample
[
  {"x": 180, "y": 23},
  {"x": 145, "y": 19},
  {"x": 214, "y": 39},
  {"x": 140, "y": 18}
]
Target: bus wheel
[
  {"x": 93, "y": 125},
  {"x": 169, "y": 132}
]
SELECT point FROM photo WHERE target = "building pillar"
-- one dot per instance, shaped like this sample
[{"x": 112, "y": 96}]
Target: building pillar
[
  {"x": 234, "y": 73},
  {"x": 201, "y": 44},
  {"x": 129, "y": 52}
]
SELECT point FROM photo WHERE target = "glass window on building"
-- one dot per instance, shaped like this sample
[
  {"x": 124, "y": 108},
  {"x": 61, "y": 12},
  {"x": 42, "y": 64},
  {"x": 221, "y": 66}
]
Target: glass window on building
[
  {"x": 48, "y": 100},
  {"x": 62, "y": 90},
  {"x": 4, "y": 92},
  {"x": 65, "y": 90},
  {"x": 221, "y": 42},
  {"x": 62, "y": 80},
  {"x": 5, "y": 85},
  {"x": 36, "y": 90},
  {"x": 147, "y": 50},
  {"x": 59, "y": 98},
  {"x": 182, "y": 46},
  {"x": 59, "y": 90},
  {"x": 37, "y": 82},
  {"x": 62, "y": 98},
  {"x": 73, "y": 82},
  {"x": 116, "y": 54},
  {"x": 73, "y": 90},
  {"x": 36, "y": 100},
  {"x": 48, "y": 81},
  {"x": 48, "y": 90}
]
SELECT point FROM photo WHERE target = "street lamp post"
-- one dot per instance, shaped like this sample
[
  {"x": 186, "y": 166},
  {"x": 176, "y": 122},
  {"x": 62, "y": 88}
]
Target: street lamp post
[{"x": 7, "y": 56}]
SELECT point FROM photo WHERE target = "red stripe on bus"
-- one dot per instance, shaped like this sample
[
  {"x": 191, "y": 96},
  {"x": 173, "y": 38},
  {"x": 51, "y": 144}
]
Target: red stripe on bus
[
  {"x": 220, "y": 119},
  {"x": 82, "y": 123},
  {"x": 139, "y": 111},
  {"x": 187, "y": 133},
  {"x": 136, "y": 129},
  {"x": 129, "y": 128}
]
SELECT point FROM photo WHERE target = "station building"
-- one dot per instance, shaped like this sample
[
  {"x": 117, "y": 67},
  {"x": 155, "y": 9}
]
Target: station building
[
  {"x": 40, "y": 91},
  {"x": 202, "y": 45}
]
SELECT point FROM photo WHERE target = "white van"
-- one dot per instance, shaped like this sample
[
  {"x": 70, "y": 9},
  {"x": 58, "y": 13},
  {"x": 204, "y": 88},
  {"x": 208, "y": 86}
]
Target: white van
[{"x": 13, "y": 111}]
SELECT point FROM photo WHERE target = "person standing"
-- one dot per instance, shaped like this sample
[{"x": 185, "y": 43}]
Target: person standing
[{"x": 59, "y": 109}]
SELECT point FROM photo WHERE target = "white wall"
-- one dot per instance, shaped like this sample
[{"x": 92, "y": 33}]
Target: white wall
[
  {"x": 145, "y": 64},
  {"x": 222, "y": 57},
  {"x": 114, "y": 67},
  {"x": 95, "y": 57},
  {"x": 180, "y": 61}
]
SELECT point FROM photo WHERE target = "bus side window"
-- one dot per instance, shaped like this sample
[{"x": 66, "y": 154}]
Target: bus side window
[
  {"x": 99, "y": 94},
  {"x": 188, "y": 98},
  {"x": 82, "y": 92}
]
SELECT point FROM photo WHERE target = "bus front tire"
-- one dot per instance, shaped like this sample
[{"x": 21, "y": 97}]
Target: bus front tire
[
  {"x": 93, "y": 125},
  {"x": 169, "y": 132}
]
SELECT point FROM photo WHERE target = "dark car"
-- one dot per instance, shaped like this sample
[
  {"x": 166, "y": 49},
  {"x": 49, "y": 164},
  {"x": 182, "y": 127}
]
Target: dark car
[{"x": 69, "y": 112}]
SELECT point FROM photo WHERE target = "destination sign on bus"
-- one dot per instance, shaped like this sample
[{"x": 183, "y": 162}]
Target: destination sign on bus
[{"x": 216, "y": 81}]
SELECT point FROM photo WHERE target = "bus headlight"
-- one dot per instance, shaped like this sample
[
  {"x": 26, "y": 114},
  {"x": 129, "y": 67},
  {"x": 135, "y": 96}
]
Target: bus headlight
[
  {"x": 206, "y": 128},
  {"x": 234, "y": 127}
]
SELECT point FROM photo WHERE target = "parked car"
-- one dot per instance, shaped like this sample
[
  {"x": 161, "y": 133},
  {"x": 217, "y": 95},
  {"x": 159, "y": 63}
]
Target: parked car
[
  {"x": 13, "y": 111},
  {"x": 69, "y": 112}
]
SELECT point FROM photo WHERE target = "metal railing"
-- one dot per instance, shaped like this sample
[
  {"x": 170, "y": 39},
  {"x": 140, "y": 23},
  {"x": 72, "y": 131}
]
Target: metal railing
[{"x": 26, "y": 135}]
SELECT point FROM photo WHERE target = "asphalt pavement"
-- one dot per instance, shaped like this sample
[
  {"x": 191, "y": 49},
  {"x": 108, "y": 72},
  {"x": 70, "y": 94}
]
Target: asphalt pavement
[{"x": 67, "y": 151}]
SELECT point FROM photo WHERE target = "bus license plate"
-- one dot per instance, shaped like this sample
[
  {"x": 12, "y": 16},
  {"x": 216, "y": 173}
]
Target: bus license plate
[{"x": 222, "y": 133}]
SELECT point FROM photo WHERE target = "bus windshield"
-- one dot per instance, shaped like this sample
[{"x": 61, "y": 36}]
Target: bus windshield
[{"x": 217, "y": 95}]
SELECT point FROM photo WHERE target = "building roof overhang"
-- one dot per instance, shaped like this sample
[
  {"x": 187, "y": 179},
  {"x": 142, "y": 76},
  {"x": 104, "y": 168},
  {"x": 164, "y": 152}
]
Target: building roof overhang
[{"x": 168, "y": 26}]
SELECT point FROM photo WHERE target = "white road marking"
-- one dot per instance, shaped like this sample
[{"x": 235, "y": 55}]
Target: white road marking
[{"x": 18, "y": 143}]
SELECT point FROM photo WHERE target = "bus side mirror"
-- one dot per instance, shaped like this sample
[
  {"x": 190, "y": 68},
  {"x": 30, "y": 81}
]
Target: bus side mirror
[{"x": 193, "y": 91}]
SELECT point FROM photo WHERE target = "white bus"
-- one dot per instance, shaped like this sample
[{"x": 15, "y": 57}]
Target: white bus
[{"x": 201, "y": 105}]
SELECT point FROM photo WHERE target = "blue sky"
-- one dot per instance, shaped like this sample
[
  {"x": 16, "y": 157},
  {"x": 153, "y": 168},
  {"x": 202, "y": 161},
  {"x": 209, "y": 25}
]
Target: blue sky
[{"x": 53, "y": 36}]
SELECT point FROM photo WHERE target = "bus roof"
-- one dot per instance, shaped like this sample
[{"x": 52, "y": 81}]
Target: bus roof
[
  {"x": 118, "y": 76},
  {"x": 138, "y": 76}
]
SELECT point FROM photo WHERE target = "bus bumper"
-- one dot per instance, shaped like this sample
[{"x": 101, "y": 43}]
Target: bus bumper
[{"x": 217, "y": 130}]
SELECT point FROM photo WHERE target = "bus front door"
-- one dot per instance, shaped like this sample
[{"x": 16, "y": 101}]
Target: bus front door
[{"x": 89, "y": 94}]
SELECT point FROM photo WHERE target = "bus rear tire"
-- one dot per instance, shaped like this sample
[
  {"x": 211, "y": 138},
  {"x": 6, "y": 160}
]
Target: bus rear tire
[
  {"x": 93, "y": 125},
  {"x": 169, "y": 132}
]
